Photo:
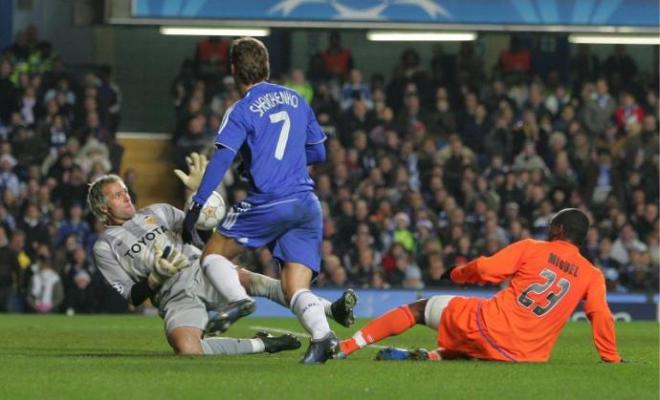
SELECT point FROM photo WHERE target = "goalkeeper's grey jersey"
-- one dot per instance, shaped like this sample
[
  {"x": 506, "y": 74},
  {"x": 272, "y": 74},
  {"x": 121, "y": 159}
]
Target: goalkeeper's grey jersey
[{"x": 125, "y": 253}]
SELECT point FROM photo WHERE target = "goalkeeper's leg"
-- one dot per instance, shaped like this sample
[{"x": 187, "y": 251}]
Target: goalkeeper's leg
[
  {"x": 341, "y": 310},
  {"x": 188, "y": 341}
]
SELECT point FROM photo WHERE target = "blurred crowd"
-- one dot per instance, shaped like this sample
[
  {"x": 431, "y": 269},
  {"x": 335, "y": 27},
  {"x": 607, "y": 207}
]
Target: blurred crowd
[
  {"x": 448, "y": 161},
  {"x": 57, "y": 133},
  {"x": 442, "y": 162}
]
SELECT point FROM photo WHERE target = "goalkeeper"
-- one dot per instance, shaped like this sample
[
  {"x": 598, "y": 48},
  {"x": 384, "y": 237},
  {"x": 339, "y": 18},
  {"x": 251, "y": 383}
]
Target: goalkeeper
[{"x": 141, "y": 255}]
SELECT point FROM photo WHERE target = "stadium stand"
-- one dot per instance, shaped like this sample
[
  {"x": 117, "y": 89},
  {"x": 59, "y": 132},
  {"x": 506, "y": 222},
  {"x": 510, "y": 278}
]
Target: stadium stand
[
  {"x": 445, "y": 162},
  {"x": 57, "y": 132},
  {"x": 428, "y": 168}
]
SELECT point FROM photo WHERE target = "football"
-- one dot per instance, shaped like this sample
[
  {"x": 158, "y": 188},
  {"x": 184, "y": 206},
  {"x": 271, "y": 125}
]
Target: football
[{"x": 213, "y": 212}]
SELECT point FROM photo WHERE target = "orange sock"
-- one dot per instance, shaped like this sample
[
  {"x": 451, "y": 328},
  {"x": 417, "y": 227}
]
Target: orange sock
[{"x": 393, "y": 322}]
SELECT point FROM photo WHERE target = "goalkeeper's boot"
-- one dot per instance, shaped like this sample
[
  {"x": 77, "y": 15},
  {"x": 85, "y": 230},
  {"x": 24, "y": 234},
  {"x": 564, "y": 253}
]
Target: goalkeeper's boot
[
  {"x": 230, "y": 314},
  {"x": 342, "y": 308},
  {"x": 320, "y": 351},
  {"x": 275, "y": 344},
  {"x": 399, "y": 354}
]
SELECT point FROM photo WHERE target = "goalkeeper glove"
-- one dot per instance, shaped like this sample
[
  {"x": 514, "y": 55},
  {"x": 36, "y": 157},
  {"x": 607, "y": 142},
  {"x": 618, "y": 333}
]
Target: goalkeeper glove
[
  {"x": 167, "y": 263},
  {"x": 196, "y": 166}
]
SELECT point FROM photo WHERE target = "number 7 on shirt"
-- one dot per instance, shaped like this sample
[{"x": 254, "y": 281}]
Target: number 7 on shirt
[{"x": 284, "y": 132}]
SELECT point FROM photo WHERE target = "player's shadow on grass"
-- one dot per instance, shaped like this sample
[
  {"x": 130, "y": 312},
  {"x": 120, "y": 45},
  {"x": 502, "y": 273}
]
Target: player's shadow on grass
[{"x": 88, "y": 354}]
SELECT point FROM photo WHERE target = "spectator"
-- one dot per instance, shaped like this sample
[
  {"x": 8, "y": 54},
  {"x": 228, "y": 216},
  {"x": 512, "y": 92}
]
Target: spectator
[
  {"x": 629, "y": 112},
  {"x": 412, "y": 113},
  {"x": 598, "y": 110},
  {"x": 355, "y": 89},
  {"x": 357, "y": 118},
  {"x": 212, "y": 57},
  {"x": 378, "y": 281},
  {"x": 638, "y": 271},
  {"x": 73, "y": 189},
  {"x": 325, "y": 105},
  {"x": 626, "y": 240},
  {"x": 528, "y": 160},
  {"x": 78, "y": 284},
  {"x": 337, "y": 278},
  {"x": 469, "y": 65},
  {"x": 413, "y": 278},
  {"x": 436, "y": 267},
  {"x": 45, "y": 292},
  {"x": 8, "y": 270},
  {"x": 583, "y": 66},
  {"x": 110, "y": 98},
  {"x": 74, "y": 225},
  {"x": 8, "y": 179},
  {"x": 619, "y": 68},
  {"x": 8, "y": 92},
  {"x": 36, "y": 232},
  {"x": 300, "y": 85},
  {"x": 604, "y": 258},
  {"x": 441, "y": 120},
  {"x": 337, "y": 59},
  {"x": 402, "y": 234},
  {"x": 516, "y": 62},
  {"x": 183, "y": 83},
  {"x": 607, "y": 180},
  {"x": 476, "y": 128}
]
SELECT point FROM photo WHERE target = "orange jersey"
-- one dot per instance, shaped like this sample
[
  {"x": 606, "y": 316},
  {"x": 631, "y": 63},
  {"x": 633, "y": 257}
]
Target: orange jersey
[
  {"x": 337, "y": 63},
  {"x": 522, "y": 322}
]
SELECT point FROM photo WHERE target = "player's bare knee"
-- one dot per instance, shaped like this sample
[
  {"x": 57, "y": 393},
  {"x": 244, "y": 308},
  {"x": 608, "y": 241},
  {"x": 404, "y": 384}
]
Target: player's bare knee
[
  {"x": 187, "y": 350},
  {"x": 187, "y": 346},
  {"x": 288, "y": 293},
  {"x": 224, "y": 246},
  {"x": 295, "y": 277},
  {"x": 185, "y": 341},
  {"x": 291, "y": 290},
  {"x": 417, "y": 309}
]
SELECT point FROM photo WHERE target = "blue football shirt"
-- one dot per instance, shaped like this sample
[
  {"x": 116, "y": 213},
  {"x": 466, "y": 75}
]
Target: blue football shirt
[{"x": 270, "y": 127}]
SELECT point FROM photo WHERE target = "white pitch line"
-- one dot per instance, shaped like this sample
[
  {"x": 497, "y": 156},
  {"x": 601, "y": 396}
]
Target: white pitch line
[{"x": 301, "y": 334}]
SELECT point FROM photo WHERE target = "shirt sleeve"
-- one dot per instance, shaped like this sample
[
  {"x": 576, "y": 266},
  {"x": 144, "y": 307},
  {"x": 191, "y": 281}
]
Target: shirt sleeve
[
  {"x": 233, "y": 131},
  {"x": 602, "y": 323},
  {"x": 111, "y": 270},
  {"x": 315, "y": 134},
  {"x": 493, "y": 269}
]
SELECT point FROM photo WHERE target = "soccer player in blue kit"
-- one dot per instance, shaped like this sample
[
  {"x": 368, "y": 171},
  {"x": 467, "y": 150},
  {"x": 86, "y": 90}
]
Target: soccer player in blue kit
[{"x": 277, "y": 135}]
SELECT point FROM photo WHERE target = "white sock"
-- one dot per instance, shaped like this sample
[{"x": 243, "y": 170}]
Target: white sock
[
  {"x": 228, "y": 346},
  {"x": 359, "y": 339},
  {"x": 223, "y": 276},
  {"x": 265, "y": 286},
  {"x": 310, "y": 313},
  {"x": 326, "y": 306},
  {"x": 258, "y": 345}
]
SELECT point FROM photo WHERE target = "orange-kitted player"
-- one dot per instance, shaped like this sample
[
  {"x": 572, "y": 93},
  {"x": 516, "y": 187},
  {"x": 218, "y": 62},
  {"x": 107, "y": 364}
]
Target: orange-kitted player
[{"x": 521, "y": 322}]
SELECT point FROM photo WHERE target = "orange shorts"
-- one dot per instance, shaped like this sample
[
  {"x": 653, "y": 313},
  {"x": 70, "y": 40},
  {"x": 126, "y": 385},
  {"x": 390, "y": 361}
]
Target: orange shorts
[{"x": 461, "y": 332}]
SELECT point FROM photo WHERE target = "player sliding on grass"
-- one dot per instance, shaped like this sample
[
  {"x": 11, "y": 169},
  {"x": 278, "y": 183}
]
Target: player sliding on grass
[
  {"x": 277, "y": 135},
  {"x": 141, "y": 254},
  {"x": 522, "y": 321}
]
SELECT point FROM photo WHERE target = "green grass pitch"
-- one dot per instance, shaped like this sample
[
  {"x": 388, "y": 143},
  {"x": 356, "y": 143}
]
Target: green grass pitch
[{"x": 126, "y": 357}]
